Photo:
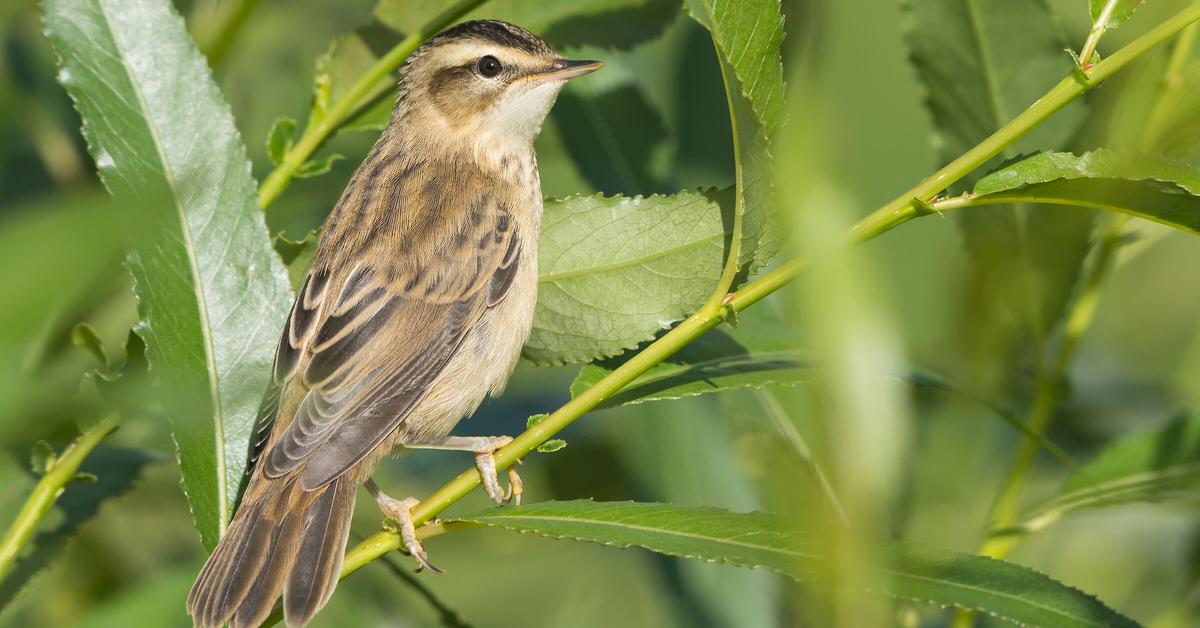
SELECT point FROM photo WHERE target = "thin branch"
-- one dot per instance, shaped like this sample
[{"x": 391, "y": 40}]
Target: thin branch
[
  {"x": 58, "y": 475},
  {"x": 1099, "y": 27}
]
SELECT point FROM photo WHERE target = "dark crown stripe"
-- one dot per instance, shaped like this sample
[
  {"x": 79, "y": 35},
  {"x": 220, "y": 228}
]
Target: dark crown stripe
[{"x": 495, "y": 31}]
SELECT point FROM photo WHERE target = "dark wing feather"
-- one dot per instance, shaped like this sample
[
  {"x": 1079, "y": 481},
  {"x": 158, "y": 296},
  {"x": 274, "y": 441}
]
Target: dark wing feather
[{"x": 364, "y": 344}]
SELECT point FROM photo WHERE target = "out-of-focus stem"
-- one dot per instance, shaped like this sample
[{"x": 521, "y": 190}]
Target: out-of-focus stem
[{"x": 60, "y": 473}]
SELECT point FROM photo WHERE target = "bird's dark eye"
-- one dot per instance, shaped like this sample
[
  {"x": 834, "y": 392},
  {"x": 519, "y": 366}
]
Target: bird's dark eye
[{"x": 489, "y": 66}]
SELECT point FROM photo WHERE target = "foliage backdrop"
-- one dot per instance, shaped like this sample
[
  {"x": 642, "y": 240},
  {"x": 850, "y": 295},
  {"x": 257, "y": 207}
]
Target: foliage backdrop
[{"x": 942, "y": 313}]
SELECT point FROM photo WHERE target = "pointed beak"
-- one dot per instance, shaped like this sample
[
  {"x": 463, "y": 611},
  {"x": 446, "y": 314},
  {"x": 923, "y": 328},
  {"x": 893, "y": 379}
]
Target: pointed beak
[{"x": 563, "y": 69}]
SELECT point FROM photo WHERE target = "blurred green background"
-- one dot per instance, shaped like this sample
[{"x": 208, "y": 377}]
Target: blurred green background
[{"x": 653, "y": 121}]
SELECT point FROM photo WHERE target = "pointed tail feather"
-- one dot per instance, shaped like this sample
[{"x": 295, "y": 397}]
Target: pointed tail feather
[
  {"x": 319, "y": 560},
  {"x": 284, "y": 539}
]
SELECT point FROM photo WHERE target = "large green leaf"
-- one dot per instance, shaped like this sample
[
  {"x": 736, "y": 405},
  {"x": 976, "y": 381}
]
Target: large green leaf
[
  {"x": 1118, "y": 13},
  {"x": 1153, "y": 466},
  {"x": 981, "y": 63},
  {"x": 1005, "y": 590},
  {"x": 1146, "y": 186},
  {"x": 211, "y": 292},
  {"x": 614, "y": 270},
  {"x": 748, "y": 36}
]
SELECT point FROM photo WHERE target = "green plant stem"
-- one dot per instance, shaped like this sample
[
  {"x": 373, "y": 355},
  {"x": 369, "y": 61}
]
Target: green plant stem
[
  {"x": 1098, "y": 29},
  {"x": 362, "y": 92},
  {"x": 47, "y": 490},
  {"x": 905, "y": 207}
]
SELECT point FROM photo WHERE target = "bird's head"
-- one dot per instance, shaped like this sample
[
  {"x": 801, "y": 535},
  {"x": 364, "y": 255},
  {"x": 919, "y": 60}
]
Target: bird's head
[{"x": 484, "y": 82}]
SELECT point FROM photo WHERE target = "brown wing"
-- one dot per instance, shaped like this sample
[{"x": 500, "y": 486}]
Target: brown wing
[{"x": 364, "y": 345}]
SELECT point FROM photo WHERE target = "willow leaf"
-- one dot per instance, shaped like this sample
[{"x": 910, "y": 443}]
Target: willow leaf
[
  {"x": 1153, "y": 466},
  {"x": 748, "y": 37},
  {"x": 1146, "y": 186},
  {"x": 1008, "y": 591},
  {"x": 613, "y": 271},
  {"x": 211, "y": 292},
  {"x": 1118, "y": 14}
]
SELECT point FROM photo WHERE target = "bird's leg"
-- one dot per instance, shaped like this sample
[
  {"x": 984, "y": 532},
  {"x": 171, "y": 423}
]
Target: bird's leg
[
  {"x": 484, "y": 448},
  {"x": 401, "y": 511}
]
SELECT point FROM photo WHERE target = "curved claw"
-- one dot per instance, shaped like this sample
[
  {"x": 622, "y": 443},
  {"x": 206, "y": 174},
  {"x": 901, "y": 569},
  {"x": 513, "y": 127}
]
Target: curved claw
[{"x": 515, "y": 487}]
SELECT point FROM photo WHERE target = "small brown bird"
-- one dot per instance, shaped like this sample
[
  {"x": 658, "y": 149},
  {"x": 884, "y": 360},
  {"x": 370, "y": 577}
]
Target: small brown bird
[{"x": 419, "y": 299}]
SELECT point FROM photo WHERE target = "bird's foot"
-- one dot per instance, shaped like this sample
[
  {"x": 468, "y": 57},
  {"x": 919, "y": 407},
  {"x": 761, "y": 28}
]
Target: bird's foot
[
  {"x": 485, "y": 461},
  {"x": 484, "y": 448},
  {"x": 401, "y": 512}
]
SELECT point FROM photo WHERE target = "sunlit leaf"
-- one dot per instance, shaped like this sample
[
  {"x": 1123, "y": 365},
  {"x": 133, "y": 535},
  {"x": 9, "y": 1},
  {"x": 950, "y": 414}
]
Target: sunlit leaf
[
  {"x": 1118, "y": 13},
  {"x": 1152, "y": 466},
  {"x": 1008, "y": 591},
  {"x": 613, "y": 271},
  {"x": 1146, "y": 186},
  {"x": 211, "y": 292}
]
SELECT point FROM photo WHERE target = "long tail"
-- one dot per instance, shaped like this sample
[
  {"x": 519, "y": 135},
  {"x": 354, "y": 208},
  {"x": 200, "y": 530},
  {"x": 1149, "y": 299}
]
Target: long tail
[{"x": 282, "y": 539}]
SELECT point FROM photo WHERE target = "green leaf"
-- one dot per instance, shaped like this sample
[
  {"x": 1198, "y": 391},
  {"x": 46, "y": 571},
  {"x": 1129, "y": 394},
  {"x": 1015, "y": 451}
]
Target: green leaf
[
  {"x": 981, "y": 63},
  {"x": 42, "y": 458},
  {"x": 748, "y": 37},
  {"x": 616, "y": 270},
  {"x": 1146, "y": 186},
  {"x": 211, "y": 292},
  {"x": 317, "y": 168},
  {"x": 608, "y": 23},
  {"x": 1119, "y": 13},
  {"x": 280, "y": 139},
  {"x": 85, "y": 337},
  {"x": 1153, "y": 466},
  {"x": 347, "y": 59},
  {"x": 551, "y": 446},
  {"x": 1008, "y": 591},
  {"x": 297, "y": 255}
]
